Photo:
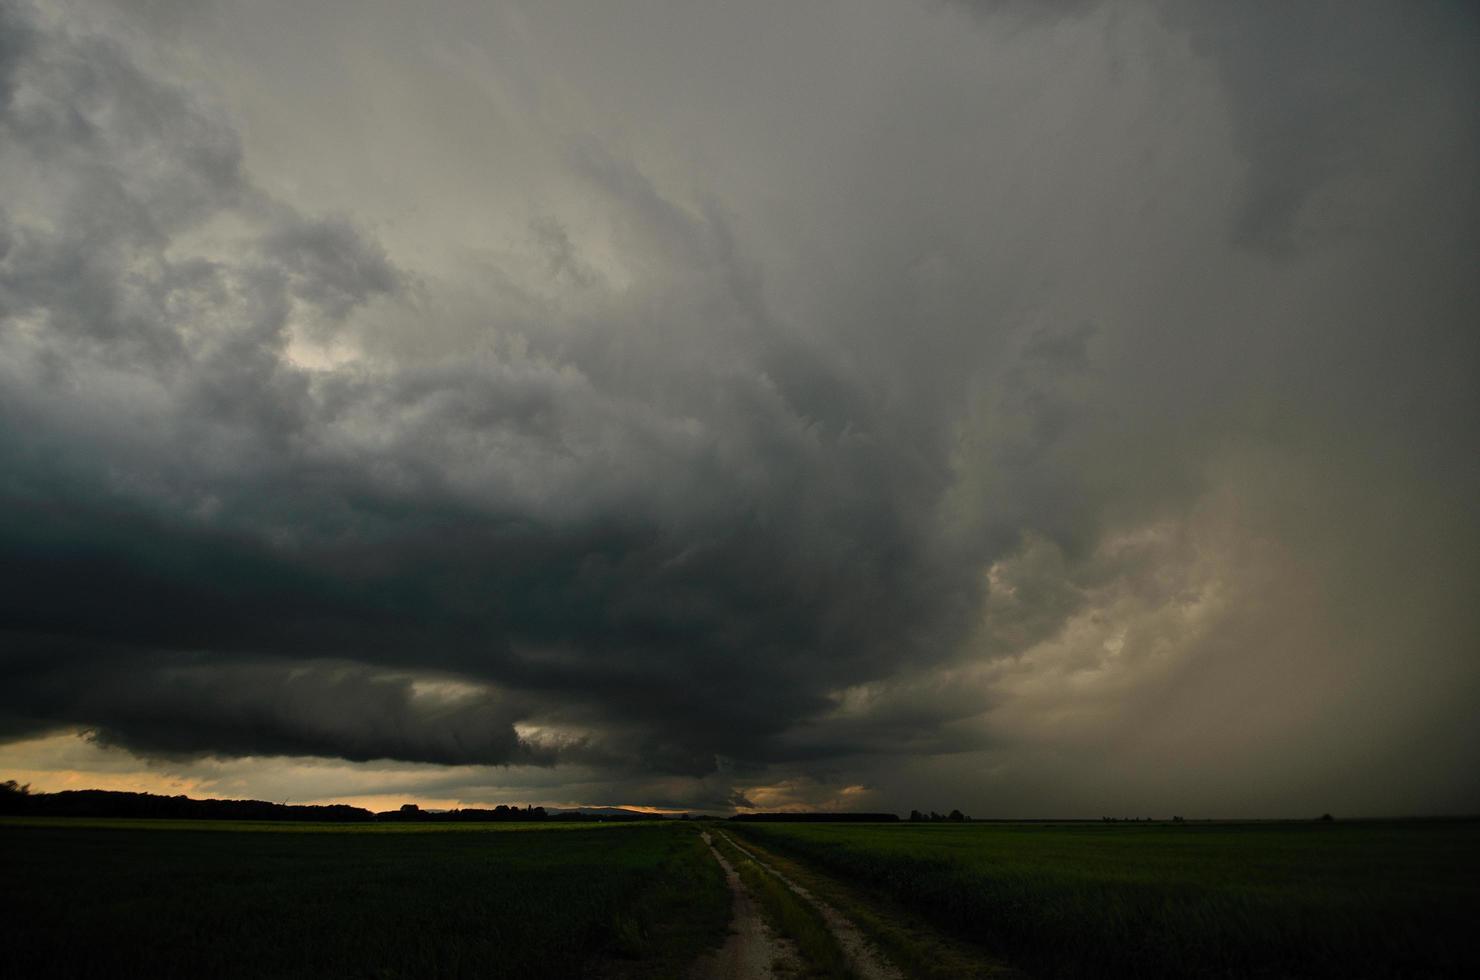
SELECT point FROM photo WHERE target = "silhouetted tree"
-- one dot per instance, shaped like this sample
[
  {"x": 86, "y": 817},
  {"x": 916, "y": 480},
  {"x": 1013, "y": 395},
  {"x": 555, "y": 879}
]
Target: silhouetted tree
[{"x": 14, "y": 797}]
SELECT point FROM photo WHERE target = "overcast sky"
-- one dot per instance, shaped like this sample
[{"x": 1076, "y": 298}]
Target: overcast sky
[{"x": 1039, "y": 409}]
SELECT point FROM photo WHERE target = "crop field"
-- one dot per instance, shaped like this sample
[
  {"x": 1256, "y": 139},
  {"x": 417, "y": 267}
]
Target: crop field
[
  {"x": 121, "y": 898},
  {"x": 155, "y": 898},
  {"x": 1236, "y": 900}
]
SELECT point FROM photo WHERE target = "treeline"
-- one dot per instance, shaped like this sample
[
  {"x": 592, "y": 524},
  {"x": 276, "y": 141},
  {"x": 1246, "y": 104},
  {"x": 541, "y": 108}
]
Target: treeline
[
  {"x": 817, "y": 817},
  {"x": 18, "y": 800},
  {"x": 955, "y": 816}
]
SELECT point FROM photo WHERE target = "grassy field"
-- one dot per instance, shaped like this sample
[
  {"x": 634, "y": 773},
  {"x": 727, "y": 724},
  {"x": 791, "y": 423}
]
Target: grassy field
[
  {"x": 1236, "y": 900},
  {"x": 119, "y": 898}
]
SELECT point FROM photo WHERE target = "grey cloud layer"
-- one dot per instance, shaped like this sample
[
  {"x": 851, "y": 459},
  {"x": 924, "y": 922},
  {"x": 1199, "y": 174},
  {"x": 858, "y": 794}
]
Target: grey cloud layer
[
  {"x": 780, "y": 427},
  {"x": 603, "y": 529}
]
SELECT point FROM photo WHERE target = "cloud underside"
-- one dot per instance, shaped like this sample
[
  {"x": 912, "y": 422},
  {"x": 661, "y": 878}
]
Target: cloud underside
[{"x": 1070, "y": 409}]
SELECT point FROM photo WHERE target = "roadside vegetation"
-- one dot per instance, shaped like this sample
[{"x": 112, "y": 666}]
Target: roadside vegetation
[
  {"x": 222, "y": 899},
  {"x": 1133, "y": 900}
]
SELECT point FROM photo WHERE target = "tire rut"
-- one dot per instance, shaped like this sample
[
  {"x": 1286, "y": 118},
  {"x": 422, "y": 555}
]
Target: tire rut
[
  {"x": 864, "y": 958},
  {"x": 752, "y": 951}
]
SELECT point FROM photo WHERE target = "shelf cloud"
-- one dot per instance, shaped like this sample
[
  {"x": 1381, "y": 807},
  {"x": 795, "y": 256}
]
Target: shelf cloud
[{"x": 1041, "y": 412}]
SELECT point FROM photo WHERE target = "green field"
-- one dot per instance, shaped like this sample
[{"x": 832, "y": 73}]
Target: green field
[
  {"x": 136, "y": 898},
  {"x": 122, "y": 898},
  {"x": 1172, "y": 900}
]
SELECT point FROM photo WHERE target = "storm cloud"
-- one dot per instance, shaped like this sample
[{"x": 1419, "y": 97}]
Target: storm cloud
[{"x": 938, "y": 404}]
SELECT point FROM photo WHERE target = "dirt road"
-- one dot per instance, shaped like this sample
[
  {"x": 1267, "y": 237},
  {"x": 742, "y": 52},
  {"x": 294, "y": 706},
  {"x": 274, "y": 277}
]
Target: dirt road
[
  {"x": 752, "y": 951},
  {"x": 865, "y": 961}
]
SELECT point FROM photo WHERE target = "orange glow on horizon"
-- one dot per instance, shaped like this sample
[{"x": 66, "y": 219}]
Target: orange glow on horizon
[{"x": 71, "y": 760}]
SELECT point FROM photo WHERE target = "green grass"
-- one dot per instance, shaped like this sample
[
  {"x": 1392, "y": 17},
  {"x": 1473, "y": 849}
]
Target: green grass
[
  {"x": 1357, "y": 899},
  {"x": 200, "y": 898},
  {"x": 790, "y": 916}
]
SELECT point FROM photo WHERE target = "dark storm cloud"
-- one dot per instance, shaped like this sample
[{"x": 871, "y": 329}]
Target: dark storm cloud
[
  {"x": 1318, "y": 90},
  {"x": 178, "y": 705},
  {"x": 962, "y": 407},
  {"x": 198, "y": 510},
  {"x": 1322, "y": 90}
]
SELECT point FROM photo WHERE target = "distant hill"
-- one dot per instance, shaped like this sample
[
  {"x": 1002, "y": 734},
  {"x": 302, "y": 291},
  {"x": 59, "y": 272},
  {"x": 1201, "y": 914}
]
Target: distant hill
[
  {"x": 604, "y": 812},
  {"x": 786, "y": 817}
]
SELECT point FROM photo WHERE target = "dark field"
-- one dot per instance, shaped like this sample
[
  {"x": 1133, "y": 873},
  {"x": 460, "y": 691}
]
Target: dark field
[
  {"x": 1236, "y": 900},
  {"x": 120, "y": 898},
  {"x": 212, "y": 899}
]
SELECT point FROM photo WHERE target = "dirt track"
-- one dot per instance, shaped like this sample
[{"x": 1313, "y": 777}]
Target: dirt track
[
  {"x": 865, "y": 960},
  {"x": 752, "y": 951}
]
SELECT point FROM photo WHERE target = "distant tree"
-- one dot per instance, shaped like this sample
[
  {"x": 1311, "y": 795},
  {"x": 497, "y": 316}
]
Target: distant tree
[
  {"x": 916, "y": 816},
  {"x": 15, "y": 797},
  {"x": 1327, "y": 818},
  {"x": 410, "y": 808},
  {"x": 957, "y": 816}
]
